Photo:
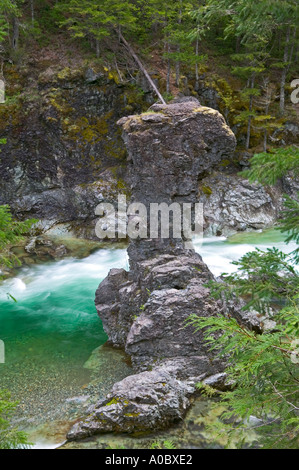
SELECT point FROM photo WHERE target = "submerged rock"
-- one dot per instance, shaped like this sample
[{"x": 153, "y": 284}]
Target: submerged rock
[
  {"x": 144, "y": 311},
  {"x": 142, "y": 402}
]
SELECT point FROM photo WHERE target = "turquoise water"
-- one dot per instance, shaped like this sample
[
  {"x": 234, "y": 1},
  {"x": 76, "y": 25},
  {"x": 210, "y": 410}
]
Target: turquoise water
[
  {"x": 52, "y": 329},
  {"x": 55, "y": 308},
  {"x": 219, "y": 252}
]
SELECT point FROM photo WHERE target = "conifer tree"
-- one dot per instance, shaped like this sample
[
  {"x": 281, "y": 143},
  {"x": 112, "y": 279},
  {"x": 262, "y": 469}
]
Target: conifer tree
[
  {"x": 90, "y": 18},
  {"x": 10, "y": 436},
  {"x": 9, "y": 13}
]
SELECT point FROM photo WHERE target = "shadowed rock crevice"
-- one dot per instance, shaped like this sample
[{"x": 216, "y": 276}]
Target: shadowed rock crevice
[{"x": 144, "y": 311}]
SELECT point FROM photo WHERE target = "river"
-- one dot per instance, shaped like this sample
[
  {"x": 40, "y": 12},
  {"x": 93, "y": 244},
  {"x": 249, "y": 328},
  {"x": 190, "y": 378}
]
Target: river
[{"x": 49, "y": 325}]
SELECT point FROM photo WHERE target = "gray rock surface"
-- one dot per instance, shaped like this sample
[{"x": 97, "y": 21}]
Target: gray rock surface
[
  {"x": 144, "y": 311},
  {"x": 232, "y": 204},
  {"x": 64, "y": 153},
  {"x": 142, "y": 402}
]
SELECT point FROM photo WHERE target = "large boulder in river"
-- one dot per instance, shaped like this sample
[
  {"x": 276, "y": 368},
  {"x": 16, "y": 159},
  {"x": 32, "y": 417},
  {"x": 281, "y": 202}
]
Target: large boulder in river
[
  {"x": 144, "y": 402},
  {"x": 171, "y": 147}
]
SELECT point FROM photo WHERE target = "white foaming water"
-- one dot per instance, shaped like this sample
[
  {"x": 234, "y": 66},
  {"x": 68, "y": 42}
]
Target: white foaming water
[
  {"x": 55, "y": 317},
  {"x": 217, "y": 252},
  {"x": 45, "y": 277}
]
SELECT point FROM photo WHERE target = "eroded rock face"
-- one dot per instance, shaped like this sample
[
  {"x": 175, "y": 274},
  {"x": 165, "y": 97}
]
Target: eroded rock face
[
  {"x": 62, "y": 143},
  {"x": 171, "y": 146},
  {"x": 233, "y": 204},
  {"x": 145, "y": 310}
]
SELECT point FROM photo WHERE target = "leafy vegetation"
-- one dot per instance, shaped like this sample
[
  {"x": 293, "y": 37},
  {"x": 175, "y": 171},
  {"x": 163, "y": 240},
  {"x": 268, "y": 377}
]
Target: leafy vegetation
[
  {"x": 267, "y": 168},
  {"x": 264, "y": 372},
  {"x": 163, "y": 445},
  {"x": 11, "y": 232},
  {"x": 257, "y": 44},
  {"x": 257, "y": 41},
  {"x": 263, "y": 369}
]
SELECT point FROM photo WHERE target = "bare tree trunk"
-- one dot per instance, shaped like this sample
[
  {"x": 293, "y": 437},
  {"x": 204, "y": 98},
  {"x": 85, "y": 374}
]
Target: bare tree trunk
[
  {"x": 279, "y": 40},
  {"x": 196, "y": 65},
  {"x": 139, "y": 63},
  {"x": 267, "y": 106},
  {"x": 118, "y": 71},
  {"x": 168, "y": 71},
  {"x": 178, "y": 63},
  {"x": 247, "y": 145},
  {"x": 284, "y": 72},
  {"x": 268, "y": 102},
  {"x": 238, "y": 44},
  {"x": 98, "y": 48},
  {"x": 292, "y": 48},
  {"x": 294, "y": 43},
  {"x": 32, "y": 11},
  {"x": 178, "y": 69},
  {"x": 265, "y": 140},
  {"x": 15, "y": 33},
  {"x": 250, "y": 117}
]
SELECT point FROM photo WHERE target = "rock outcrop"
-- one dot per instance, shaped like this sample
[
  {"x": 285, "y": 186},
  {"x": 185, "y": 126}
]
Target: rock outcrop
[
  {"x": 63, "y": 153},
  {"x": 233, "y": 204},
  {"x": 145, "y": 310}
]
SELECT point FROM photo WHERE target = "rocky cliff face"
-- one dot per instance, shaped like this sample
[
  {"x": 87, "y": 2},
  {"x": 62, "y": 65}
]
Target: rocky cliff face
[
  {"x": 232, "y": 204},
  {"x": 145, "y": 310},
  {"x": 64, "y": 153}
]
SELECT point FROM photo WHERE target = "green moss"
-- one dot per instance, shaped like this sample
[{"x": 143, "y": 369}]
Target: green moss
[
  {"x": 128, "y": 109},
  {"x": 121, "y": 185},
  {"x": 134, "y": 96},
  {"x": 14, "y": 81},
  {"x": 207, "y": 190},
  {"x": 56, "y": 100},
  {"x": 114, "y": 149},
  {"x": 65, "y": 73},
  {"x": 225, "y": 163},
  {"x": 205, "y": 110},
  {"x": 114, "y": 401},
  {"x": 132, "y": 415},
  {"x": 69, "y": 74},
  {"x": 90, "y": 132},
  {"x": 11, "y": 114},
  {"x": 113, "y": 75}
]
